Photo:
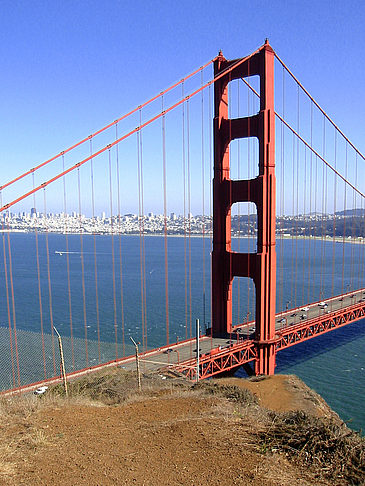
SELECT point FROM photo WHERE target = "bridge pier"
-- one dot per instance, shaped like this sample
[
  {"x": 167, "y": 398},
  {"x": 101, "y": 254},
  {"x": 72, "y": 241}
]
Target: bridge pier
[{"x": 260, "y": 266}]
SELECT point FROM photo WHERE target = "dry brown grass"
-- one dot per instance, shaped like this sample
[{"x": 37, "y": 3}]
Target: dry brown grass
[
  {"x": 7, "y": 464},
  {"x": 328, "y": 447},
  {"x": 114, "y": 387}
]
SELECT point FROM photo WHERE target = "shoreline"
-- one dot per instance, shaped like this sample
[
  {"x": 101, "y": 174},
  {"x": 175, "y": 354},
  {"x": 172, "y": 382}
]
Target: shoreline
[{"x": 337, "y": 239}]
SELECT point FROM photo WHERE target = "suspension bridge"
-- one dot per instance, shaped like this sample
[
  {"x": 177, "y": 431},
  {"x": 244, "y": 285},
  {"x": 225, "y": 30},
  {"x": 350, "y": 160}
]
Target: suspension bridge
[{"x": 230, "y": 198}]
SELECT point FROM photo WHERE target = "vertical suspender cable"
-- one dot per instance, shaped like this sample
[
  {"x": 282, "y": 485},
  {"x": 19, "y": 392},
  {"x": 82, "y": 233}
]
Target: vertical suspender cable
[
  {"x": 362, "y": 234},
  {"x": 323, "y": 214},
  {"x": 67, "y": 263},
  {"x": 143, "y": 236},
  {"x": 189, "y": 211},
  {"x": 310, "y": 205},
  {"x": 353, "y": 231},
  {"x": 50, "y": 300},
  {"x": 304, "y": 220},
  {"x": 144, "y": 247},
  {"x": 94, "y": 249},
  {"x": 344, "y": 224},
  {"x": 82, "y": 268},
  {"x": 39, "y": 289},
  {"x": 334, "y": 219},
  {"x": 113, "y": 255},
  {"x": 249, "y": 161},
  {"x": 292, "y": 230},
  {"x": 184, "y": 212},
  {"x": 165, "y": 220},
  {"x": 210, "y": 196},
  {"x": 314, "y": 295},
  {"x": 248, "y": 204},
  {"x": 120, "y": 242},
  {"x": 140, "y": 236},
  {"x": 230, "y": 152},
  {"x": 13, "y": 308},
  {"x": 282, "y": 199},
  {"x": 8, "y": 303},
  {"x": 295, "y": 303},
  {"x": 142, "y": 241},
  {"x": 325, "y": 229},
  {"x": 203, "y": 195},
  {"x": 238, "y": 209}
]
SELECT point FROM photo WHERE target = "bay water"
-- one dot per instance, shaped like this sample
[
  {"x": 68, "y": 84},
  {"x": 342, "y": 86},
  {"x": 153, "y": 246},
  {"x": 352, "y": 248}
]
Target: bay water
[{"x": 90, "y": 287}]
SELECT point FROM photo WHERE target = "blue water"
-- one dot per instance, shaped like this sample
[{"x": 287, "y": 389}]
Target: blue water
[{"x": 332, "y": 364}]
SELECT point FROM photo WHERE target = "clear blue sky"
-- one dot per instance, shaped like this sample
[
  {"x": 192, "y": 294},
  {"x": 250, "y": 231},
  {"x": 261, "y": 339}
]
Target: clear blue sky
[{"x": 69, "y": 67}]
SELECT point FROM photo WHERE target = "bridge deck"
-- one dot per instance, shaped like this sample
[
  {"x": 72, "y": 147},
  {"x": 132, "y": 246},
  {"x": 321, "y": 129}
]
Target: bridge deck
[
  {"x": 292, "y": 327},
  {"x": 222, "y": 354}
]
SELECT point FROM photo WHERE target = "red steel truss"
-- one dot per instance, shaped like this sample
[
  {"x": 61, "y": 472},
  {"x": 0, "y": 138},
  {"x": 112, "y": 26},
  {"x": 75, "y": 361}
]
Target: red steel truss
[
  {"x": 220, "y": 360},
  {"x": 319, "y": 325},
  {"x": 245, "y": 351}
]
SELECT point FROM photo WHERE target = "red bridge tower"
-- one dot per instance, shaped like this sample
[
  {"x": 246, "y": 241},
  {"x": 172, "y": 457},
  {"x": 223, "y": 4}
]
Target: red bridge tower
[{"x": 260, "y": 266}]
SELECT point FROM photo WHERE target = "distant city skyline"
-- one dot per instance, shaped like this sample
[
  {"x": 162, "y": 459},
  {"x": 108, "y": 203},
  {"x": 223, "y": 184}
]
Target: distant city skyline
[{"x": 347, "y": 224}]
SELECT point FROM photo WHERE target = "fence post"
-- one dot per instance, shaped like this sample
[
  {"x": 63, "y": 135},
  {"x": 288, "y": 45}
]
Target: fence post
[
  {"x": 63, "y": 371},
  {"x": 137, "y": 364}
]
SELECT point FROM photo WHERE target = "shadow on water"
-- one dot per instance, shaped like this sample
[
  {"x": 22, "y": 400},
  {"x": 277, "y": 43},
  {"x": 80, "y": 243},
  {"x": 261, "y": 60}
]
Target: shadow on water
[
  {"x": 300, "y": 353},
  {"x": 319, "y": 345}
]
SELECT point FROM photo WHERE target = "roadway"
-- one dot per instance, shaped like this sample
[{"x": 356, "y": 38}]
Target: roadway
[
  {"x": 175, "y": 353},
  {"x": 185, "y": 352},
  {"x": 299, "y": 315}
]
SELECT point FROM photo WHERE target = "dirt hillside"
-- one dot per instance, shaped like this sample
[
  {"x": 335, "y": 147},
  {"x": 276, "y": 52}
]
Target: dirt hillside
[{"x": 107, "y": 433}]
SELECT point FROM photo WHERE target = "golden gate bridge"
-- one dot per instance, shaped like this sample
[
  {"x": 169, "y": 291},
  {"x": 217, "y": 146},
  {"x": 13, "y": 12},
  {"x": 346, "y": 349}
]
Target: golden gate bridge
[{"x": 245, "y": 140}]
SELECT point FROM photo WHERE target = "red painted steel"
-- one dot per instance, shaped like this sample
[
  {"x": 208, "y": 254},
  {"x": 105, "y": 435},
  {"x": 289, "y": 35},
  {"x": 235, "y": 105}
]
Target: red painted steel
[
  {"x": 260, "y": 266},
  {"x": 319, "y": 325},
  {"x": 220, "y": 360}
]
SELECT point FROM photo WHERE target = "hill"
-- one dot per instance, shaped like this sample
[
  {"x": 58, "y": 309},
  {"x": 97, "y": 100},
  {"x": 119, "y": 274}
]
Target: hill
[{"x": 273, "y": 431}]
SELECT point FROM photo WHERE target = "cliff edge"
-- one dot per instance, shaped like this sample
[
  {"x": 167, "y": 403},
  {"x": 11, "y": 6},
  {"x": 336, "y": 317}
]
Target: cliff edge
[{"x": 229, "y": 431}]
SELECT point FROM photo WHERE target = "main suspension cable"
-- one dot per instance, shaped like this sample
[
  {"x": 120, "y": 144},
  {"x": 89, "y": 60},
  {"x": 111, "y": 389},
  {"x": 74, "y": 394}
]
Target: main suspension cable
[{"x": 101, "y": 130}]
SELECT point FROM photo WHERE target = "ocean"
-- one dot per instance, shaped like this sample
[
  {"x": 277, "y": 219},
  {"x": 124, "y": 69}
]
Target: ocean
[{"x": 92, "y": 284}]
